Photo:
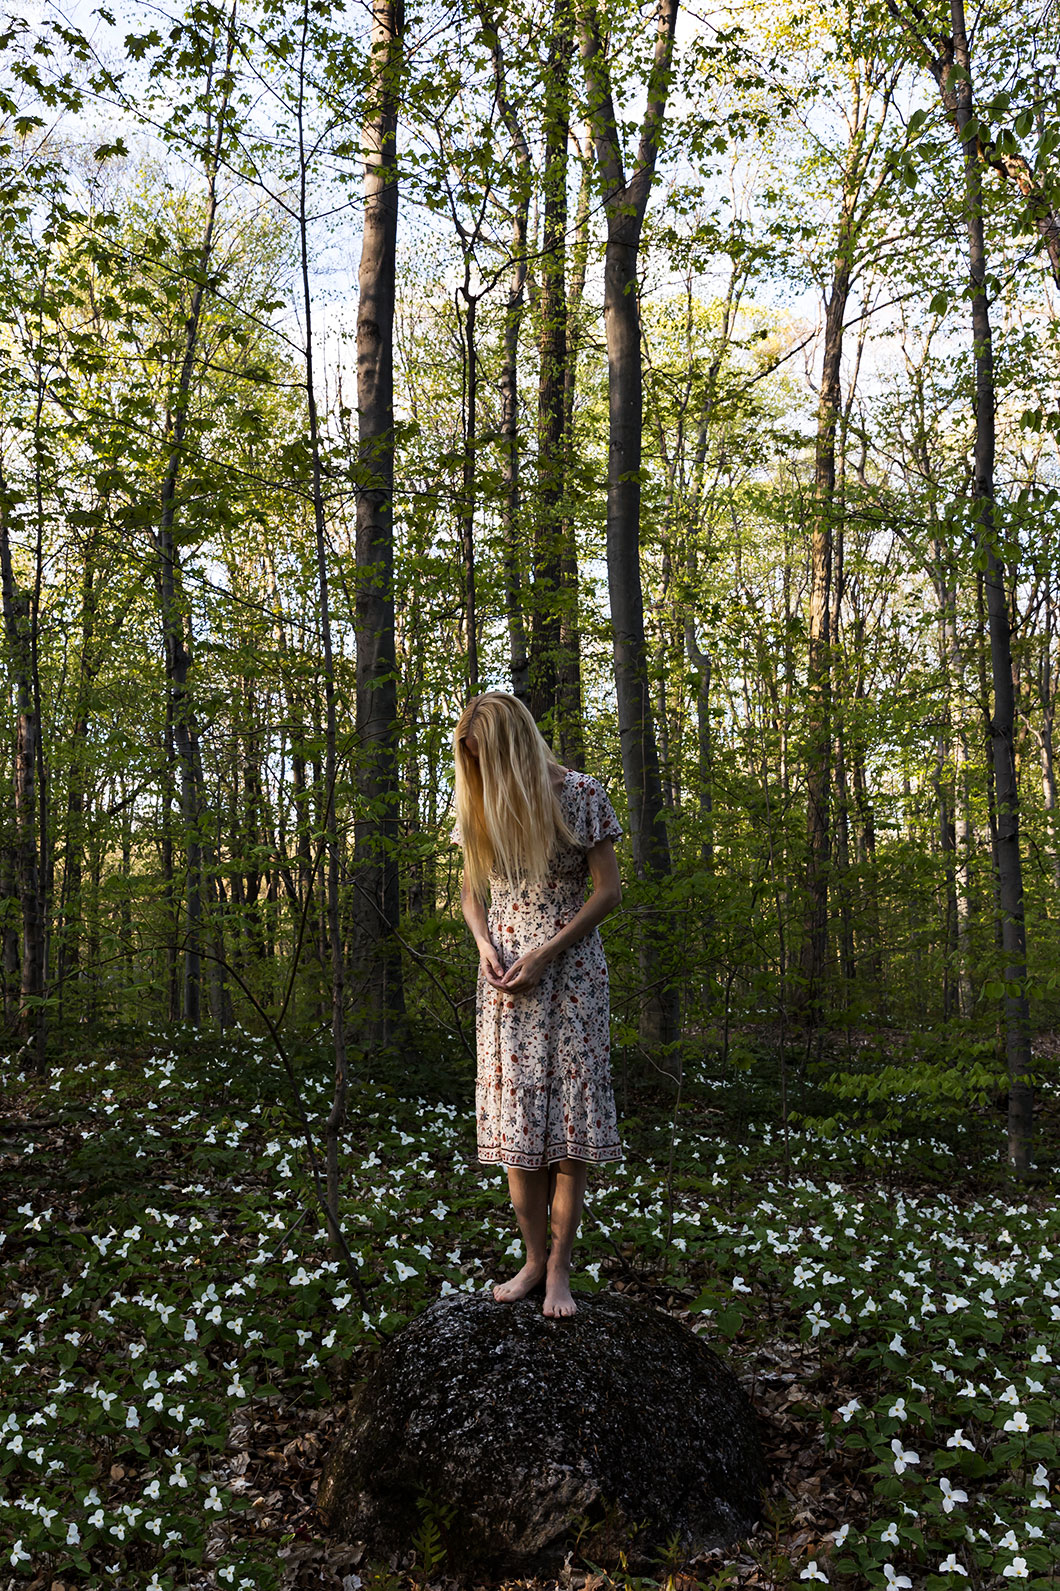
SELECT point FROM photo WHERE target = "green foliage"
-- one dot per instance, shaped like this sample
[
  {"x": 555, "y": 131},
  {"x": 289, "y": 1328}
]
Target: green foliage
[{"x": 174, "y": 1264}]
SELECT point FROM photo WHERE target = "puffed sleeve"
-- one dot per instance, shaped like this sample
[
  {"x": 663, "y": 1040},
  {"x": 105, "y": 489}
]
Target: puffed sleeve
[{"x": 597, "y": 820}]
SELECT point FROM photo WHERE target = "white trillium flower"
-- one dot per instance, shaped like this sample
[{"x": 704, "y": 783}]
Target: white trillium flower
[
  {"x": 1041, "y": 1355},
  {"x": 951, "y": 1565},
  {"x": 1008, "y": 1541},
  {"x": 951, "y": 1496},
  {"x": 1017, "y": 1569},
  {"x": 848, "y": 1409},
  {"x": 840, "y": 1535},
  {"x": 890, "y": 1534},
  {"x": 902, "y": 1456},
  {"x": 1010, "y": 1395},
  {"x": 893, "y": 1578},
  {"x": 897, "y": 1409},
  {"x": 1018, "y": 1422},
  {"x": 811, "y": 1572},
  {"x": 958, "y": 1439}
]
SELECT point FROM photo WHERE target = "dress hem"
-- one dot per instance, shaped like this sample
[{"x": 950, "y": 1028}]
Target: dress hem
[{"x": 525, "y": 1162}]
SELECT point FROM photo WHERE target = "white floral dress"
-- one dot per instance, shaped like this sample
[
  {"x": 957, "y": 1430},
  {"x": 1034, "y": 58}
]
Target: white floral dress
[{"x": 543, "y": 1091}]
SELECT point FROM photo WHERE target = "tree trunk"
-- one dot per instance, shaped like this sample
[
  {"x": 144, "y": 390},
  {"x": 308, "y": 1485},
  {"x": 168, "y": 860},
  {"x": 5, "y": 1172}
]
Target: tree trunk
[
  {"x": 16, "y": 609},
  {"x": 176, "y": 624},
  {"x": 467, "y": 482},
  {"x": 10, "y": 905},
  {"x": 625, "y": 205},
  {"x": 547, "y": 593},
  {"x": 337, "y": 1114},
  {"x": 570, "y": 708},
  {"x": 69, "y": 956},
  {"x": 959, "y": 892},
  {"x": 819, "y": 664},
  {"x": 1003, "y": 717},
  {"x": 377, "y": 903},
  {"x": 1048, "y": 684}
]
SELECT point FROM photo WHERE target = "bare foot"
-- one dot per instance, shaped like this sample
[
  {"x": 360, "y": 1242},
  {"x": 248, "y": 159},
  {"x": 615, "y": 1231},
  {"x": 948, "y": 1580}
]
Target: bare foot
[
  {"x": 558, "y": 1301},
  {"x": 521, "y": 1284}
]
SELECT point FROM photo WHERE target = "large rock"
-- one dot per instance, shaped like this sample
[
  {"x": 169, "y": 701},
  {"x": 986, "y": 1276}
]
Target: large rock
[{"x": 526, "y": 1426}]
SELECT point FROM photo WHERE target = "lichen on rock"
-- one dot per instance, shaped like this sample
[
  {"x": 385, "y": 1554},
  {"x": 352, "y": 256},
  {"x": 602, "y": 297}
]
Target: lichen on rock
[{"x": 619, "y": 1422}]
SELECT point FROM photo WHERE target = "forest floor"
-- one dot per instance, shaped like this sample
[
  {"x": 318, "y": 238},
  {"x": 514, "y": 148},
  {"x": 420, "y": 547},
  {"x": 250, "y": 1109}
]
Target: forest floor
[{"x": 176, "y": 1344}]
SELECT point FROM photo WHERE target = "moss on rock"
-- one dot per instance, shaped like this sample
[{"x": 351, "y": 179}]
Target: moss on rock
[{"x": 619, "y": 1422}]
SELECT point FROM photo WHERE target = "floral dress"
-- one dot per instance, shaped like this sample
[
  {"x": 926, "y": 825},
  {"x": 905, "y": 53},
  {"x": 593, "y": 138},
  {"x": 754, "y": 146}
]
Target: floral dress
[{"x": 543, "y": 1091}]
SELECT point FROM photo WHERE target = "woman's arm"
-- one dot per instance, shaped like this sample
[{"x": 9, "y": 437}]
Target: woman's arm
[
  {"x": 526, "y": 973},
  {"x": 474, "y": 910}
]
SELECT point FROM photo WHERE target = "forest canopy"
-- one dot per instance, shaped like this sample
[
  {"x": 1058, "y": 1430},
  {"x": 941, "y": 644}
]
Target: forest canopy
[{"x": 692, "y": 376}]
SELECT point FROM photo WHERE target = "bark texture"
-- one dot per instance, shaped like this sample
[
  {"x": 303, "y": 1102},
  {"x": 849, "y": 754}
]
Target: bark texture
[
  {"x": 625, "y": 204},
  {"x": 1003, "y": 719},
  {"x": 377, "y": 903}
]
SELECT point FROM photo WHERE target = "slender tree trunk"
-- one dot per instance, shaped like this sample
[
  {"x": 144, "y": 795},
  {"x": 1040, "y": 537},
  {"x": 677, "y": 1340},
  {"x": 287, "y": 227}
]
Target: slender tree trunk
[
  {"x": 547, "y": 590},
  {"x": 169, "y": 882},
  {"x": 337, "y": 1114},
  {"x": 467, "y": 483},
  {"x": 960, "y": 893},
  {"x": 1048, "y": 766},
  {"x": 866, "y": 822},
  {"x": 16, "y": 610},
  {"x": 518, "y": 649},
  {"x": 176, "y": 624},
  {"x": 947, "y": 837},
  {"x": 1048, "y": 684},
  {"x": 377, "y": 902},
  {"x": 1003, "y": 718},
  {"x": 819, "y": 666},
  {"x": 700, "y": 662},
  {"x": 77, "y": 781},
  {"x": 570, "y": 708},
  {"x": 625, "y": 205},
  {"x": 10, "y": 904}
]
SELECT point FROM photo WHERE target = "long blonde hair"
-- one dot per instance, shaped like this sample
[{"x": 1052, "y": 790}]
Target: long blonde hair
[{"x": 508, "y": 812}]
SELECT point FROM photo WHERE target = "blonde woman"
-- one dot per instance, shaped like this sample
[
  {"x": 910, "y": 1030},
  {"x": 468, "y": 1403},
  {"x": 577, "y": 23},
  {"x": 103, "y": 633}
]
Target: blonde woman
[{"x": 533, "y": 834}]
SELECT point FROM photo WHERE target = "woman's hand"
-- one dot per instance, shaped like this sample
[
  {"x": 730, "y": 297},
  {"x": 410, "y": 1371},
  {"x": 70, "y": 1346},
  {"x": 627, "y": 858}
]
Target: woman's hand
[
  {"x": 526, "y": 973},
  {"x": 490, "y": 964}
]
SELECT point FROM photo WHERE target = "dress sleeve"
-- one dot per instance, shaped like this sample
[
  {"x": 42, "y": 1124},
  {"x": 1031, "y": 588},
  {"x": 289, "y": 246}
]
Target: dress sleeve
[{"x": 596, "y": 815}]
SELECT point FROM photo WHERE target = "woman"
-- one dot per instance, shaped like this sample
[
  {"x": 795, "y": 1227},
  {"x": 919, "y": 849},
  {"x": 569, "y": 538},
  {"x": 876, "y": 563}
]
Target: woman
[{"x": 533, "y": 832}]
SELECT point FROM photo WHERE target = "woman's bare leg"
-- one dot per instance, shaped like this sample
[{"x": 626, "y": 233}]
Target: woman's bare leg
[
  {"x": 529, "y": 1194},
  {"x": 567, "y": 1179}
]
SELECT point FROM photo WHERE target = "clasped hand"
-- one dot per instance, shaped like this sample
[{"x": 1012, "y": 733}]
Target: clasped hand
[{"x": 523, "y": 975}]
